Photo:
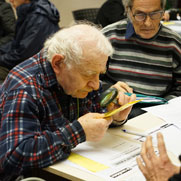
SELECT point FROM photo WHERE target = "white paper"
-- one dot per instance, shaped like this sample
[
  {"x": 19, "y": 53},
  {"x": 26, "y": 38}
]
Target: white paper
[
  {"x": 117, "y": 153},
  {"x": 170, "y": 112},
  {"x": 172, "y": 137}
]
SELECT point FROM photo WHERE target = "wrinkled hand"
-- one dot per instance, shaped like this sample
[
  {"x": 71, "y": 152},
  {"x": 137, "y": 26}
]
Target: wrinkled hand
[
  {"x": 156, "y": 167},
  {"x": 122, "y": 99},
  {"x": 123, "y": 87},
  {"x": 94, "y": 125}
]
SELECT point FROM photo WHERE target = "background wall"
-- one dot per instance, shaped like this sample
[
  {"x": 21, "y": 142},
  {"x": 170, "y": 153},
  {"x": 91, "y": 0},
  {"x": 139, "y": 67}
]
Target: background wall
[{"x": 66, "y": 7}]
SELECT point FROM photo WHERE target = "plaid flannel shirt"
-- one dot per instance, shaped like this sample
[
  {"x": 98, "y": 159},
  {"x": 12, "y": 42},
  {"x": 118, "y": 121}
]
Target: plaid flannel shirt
[{"x": 38, "y": 120}]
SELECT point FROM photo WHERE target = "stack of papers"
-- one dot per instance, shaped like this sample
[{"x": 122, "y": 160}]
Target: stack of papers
[
  {"x": 170, "y": 112},
  {"x": 113, "y": 158}
]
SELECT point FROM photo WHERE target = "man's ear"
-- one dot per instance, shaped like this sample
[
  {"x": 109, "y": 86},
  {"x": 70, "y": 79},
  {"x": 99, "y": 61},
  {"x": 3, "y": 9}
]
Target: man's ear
[{"x": 57, "y": 62}]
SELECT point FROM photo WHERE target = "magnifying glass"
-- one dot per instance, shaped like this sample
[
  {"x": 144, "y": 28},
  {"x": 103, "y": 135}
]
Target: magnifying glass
[{"x": 108, "y": 96}]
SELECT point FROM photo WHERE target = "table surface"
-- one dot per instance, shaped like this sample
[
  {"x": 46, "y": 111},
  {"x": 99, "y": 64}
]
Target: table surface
[
  {"x": 174, "y": 25},
  {"x": 140, "y": 123}
]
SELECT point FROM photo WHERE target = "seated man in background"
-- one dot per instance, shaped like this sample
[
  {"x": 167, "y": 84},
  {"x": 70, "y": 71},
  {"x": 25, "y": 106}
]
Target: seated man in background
[
  {"x": 37, "y": 20},
  {"x": 110, "y": 12},
  {"x": 157, "y": 167},
  {"x": 173, "y": 10},
  {"x": 7, "y": 22},
  {"x": 50, "y": 102},
  {"x": 172, "y": 14},
  {"x": 147, "y": 55}
]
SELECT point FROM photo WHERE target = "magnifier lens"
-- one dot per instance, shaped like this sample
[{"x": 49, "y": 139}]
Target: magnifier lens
[{"x": 108, "y": 96}]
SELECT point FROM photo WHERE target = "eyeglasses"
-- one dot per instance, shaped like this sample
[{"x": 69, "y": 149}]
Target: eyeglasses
[{"x": 153, "y": 15}]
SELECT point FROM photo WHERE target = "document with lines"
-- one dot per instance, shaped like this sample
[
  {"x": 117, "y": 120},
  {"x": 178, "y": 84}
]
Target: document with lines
[
  {"x": 113, "y": 158},
  {"x": 168, "y": 112}
]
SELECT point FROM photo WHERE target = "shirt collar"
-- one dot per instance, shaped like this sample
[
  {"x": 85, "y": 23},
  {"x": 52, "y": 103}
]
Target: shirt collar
[{"x": 129, "y": 30}]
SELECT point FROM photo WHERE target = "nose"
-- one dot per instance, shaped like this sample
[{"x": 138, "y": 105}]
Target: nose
[
  {"x": 148, "y": 21},
  {"x": 94, "y": 83}
]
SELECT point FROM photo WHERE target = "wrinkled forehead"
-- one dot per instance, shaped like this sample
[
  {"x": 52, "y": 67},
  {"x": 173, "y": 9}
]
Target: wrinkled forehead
[
  {"x": 93, "y": 64},
  {"x": 146, "y": 5}
]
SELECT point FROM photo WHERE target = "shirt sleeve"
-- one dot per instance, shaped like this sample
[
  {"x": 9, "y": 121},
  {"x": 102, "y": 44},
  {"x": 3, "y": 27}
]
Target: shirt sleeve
[
  {"x": 26, "y": 142},
  {"x": 7, "y": 19},
  {"x": 175, "y": 88}
]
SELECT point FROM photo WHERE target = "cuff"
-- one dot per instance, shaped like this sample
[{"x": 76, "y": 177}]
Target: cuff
[
  {"x": 73, "y": 134},
  {"x": 119, "y": 123}
]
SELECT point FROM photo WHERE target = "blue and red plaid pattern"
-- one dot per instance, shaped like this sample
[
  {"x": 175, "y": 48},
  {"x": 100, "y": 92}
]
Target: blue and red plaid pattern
[{"x": 38, "y": 120}]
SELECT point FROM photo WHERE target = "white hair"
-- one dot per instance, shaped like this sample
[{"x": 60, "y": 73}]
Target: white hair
[
  {"x": 129, "y": 3},
  {"x": 71, "y": 42}
]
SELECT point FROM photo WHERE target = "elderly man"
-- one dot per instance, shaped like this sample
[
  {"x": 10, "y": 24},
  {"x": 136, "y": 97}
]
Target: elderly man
[
  {"x": 147, "y": 55},
  {"x": 49, "y": 103}
]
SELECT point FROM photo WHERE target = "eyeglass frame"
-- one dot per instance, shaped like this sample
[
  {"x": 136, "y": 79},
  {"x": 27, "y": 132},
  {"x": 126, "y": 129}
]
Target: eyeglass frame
[{"x": 148, "y": 14}]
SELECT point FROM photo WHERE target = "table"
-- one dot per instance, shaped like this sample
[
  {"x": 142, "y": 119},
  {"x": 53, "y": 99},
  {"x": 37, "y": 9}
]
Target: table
[
  {"x": 140, "y": 123},
  {"x": 174, "y": 25}
]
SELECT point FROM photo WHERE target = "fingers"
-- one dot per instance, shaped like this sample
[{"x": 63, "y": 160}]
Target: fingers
[
  {"x": 155, "y": 167},
  {"x": 144, "y": 153},
  {"x": 161, "y": 147},
  {"x": 94, "y": 125},
  {"x": 124, "y": 99},
  {"x": 128, "y": 110},
  {"x": 123, "y": 87},
  {"x": 144, "y": 165},
  {"x": 107, "y": 121},
  {"x": 149, "y": 146},
  {"x": 147, "y": 152},
  {"x": 141, "y": 167}
]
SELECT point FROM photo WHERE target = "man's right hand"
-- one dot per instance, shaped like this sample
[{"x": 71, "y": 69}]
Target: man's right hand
[
  {"x": 156, "y": 167},
  {"x": 94, "y": 125}
]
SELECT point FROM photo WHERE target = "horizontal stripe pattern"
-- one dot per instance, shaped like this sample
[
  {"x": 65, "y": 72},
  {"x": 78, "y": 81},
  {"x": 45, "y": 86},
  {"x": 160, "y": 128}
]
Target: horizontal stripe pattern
[{"x": 151, "y": 66}]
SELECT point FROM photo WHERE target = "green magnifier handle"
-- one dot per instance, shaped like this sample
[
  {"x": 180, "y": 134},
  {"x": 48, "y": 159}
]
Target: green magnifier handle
[{"x": 108, "y": 96}]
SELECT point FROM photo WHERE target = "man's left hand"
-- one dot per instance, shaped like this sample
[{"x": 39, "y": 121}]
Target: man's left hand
[{"x": 121, "y": 100}]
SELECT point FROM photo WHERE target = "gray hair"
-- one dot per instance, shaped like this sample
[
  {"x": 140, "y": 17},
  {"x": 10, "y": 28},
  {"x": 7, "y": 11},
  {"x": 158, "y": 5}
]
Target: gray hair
[
  {"x": 129, "y": 3},
  {"x": 71, "y": 42}
]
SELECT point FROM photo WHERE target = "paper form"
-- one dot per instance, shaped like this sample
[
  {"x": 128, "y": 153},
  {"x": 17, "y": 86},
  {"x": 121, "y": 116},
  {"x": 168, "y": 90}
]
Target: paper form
[
  {"x": 86, "y": 163},
  {"x": 171, "y": 136},
  {"x": 118, "y": 154},
  {"x": 170, "y": 112}
]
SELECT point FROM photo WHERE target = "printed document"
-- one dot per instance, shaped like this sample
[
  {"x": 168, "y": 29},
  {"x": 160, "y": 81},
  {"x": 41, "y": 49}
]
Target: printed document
[
  {"x": 113, "y": 158},
  {"x": 170, "y": 112}
]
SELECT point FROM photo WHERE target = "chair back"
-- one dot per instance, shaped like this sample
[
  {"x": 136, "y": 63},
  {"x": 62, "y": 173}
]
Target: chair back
[
  {"x": 85, "y": 14},
  {"x": 33, "y": 179}
]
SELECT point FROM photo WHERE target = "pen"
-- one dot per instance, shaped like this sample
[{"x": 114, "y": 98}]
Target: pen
[{"x": 134, "y": 133}]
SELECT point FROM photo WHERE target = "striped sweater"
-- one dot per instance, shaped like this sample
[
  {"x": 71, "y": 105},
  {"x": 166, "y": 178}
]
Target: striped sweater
[{"x": 149, "y": 66}]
